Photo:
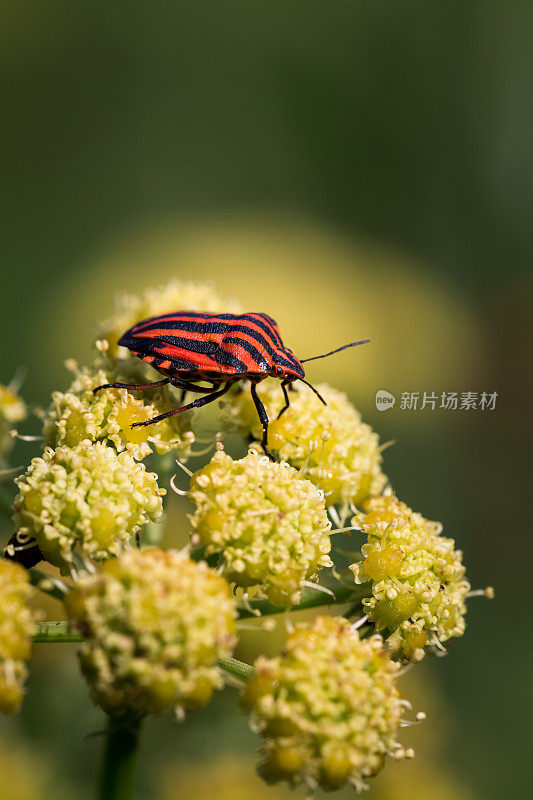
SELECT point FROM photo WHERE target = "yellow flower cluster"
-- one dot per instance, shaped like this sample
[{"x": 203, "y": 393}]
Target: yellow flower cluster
[
  {"x": 268, "y": 525},
  {"x": 16, "y": 630},
  {"x": 87, "y": 496},
  {"x": 176, "y": 295},
  {"x": 12, "y": 410},
  {"x": 418, "y": 583},
  {"x": 327, "y": 708},
  {"x": 155, "y": 622},
  {"x": 78, "y": 414},
  {"x": 339, "y": 452}
]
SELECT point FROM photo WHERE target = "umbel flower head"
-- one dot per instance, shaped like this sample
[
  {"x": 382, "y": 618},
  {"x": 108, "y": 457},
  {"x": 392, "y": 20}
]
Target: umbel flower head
[
  {"x": 175, "y": 295},
  {"x": 16, "y": 630},
  {"x": 12, "y": 409},
  {"x": 268, "y": 525},
  {"x": 418, "y": 583},
  {"x": 327, "y": 708},
  {"x": 154, "y": 624},
  {"x": 78, "y": 414},
  {"x": 88, "y": 496},
  {"x": 340, "y": 453}
]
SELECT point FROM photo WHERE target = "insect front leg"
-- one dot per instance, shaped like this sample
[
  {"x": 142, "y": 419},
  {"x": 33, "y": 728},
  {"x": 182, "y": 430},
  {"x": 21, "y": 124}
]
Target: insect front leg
[
  {"x": 284, "y": 385},
  {"x": 132, "y": 385},
  {"x": 264, "y": 421}
]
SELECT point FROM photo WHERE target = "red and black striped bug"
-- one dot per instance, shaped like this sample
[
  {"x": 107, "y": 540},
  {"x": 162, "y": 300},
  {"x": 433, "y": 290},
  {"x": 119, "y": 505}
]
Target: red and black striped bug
[{"x": 220, "y": 349}]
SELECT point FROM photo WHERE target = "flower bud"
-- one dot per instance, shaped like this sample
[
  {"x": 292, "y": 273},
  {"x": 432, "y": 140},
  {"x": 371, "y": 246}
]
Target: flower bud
[
  {"x": 339, "y": 452},
  {"x": 154, "y": 624},
  {"x": 12, "y": 410},
  {"x": 418, "y": 583},
  {"x": 327, "y": 708},
  {"x": 87, "y": 496},
  {"x": 16, "y": 629},
  {"x": 268, "y": 525}
]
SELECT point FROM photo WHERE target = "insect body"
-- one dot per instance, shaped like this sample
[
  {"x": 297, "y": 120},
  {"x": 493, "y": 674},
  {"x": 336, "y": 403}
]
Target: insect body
[{"x": 220, "y": 349}]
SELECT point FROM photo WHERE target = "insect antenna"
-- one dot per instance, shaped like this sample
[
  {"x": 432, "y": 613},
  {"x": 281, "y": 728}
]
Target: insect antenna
[
  {"x": 344, "y": 347},
  {"x": 314, "y": 390}
]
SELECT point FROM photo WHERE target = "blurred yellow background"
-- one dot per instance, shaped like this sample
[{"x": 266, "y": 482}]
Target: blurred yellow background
[{"x": 356, "y": 170}]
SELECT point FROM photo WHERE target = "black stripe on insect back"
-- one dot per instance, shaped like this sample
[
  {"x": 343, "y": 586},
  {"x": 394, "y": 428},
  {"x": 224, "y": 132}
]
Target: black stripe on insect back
[
  {"x": 259, "y": 358},
  {"x": 207, "y": 323},
  {"x": 227, "y": 359},
  {"x": 198, "y": 327},
  {"x": 192, "y": 345}
]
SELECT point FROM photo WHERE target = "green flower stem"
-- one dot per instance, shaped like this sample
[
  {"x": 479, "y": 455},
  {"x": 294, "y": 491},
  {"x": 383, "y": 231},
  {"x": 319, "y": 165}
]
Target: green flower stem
[
  {"x": 63, "y": 632},
  {"x": 238, "y": 669},
  {"x": 120, "y": 758},
  {"x": 310, "y": 599},
  {"x": 46, "y": 584},
  {"x": 59, "y": 632}
]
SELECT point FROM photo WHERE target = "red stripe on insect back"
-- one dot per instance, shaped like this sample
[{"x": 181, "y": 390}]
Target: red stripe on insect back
[
  {"x": 272, "y": 326},
  {"x": 257, "y": 323},
  {"x": 254, "y": 342},
  {"x": 153, "y": 333},
  {"x": 200, "y": 359},
  {"x": 243, "y": 355}
]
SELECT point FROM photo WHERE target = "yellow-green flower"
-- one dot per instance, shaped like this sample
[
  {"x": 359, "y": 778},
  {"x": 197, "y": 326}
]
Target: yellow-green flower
[
  {"x": 78, "y": 414},
  {"x": 154, "y": 623},
  {"x": 175, "y": 295},
  {"x": 16, "y": 630},
  {"x": 327, "y": 708},
  {"x": 339, "y": 452},
  {"x": 88, "y": 496},
  {"x": 268, "y": 525},
  {"x": 12, "y": 409},
  {"x": 418, "y": 579}
]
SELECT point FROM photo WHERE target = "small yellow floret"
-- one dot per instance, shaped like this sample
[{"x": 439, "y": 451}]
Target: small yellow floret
[
  {"x": 340, "y": 454},
  {"x": 108, "y": 416},
  {"x": 154, "y": 624},
  {"x": 87, "y": 496},
  {"x": 327, "y": 708},
  {"x": 16, "y": 629},
  {"x": 418, "y": 583},
  {"x": 268, "y": 525}
]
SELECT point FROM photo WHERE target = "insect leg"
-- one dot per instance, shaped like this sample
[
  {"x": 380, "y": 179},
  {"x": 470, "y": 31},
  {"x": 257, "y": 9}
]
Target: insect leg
[
  {"x": 286, "y": 396},
  {"x": 132, "y": 385},
  {"x": 264, "y": 421},
  {"x": 198, "y": 403},
  {"x": 191, "y": 387}
]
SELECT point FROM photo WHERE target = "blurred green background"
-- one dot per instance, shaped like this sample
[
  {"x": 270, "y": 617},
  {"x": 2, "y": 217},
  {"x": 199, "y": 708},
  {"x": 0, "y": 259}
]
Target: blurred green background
[{"x": 354, "y": 169}]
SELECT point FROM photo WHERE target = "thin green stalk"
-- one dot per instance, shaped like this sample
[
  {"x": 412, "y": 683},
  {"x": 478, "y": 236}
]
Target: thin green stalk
[
  {"x": 310, "y": 599},
  {"x": 63, "y": 632},
  {"x": 47, "y": 584},
  {"x": 237, "y": 668},
  {"x": 120, "y": 758},
  {"x": 58, "y": 632}
]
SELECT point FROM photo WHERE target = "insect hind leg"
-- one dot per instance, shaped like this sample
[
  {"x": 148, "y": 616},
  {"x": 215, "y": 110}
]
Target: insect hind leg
[
  {"x": 198, "y": 403},
  {"x": 263, "y": 416}
]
